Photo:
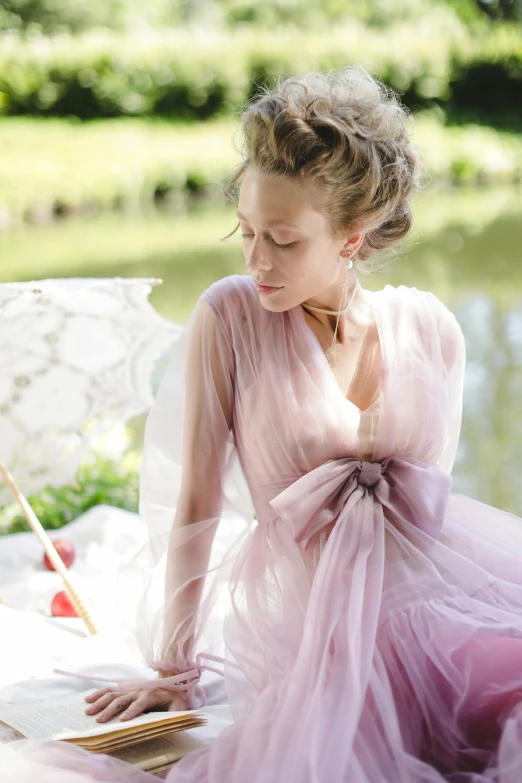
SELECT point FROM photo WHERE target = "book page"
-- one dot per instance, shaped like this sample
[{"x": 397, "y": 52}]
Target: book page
[
  {"x": 159, "y": 752},
  {"x": 7, "y": 734},
  {"x": 121, "y": 739},
  {"x": 65, "y": 718}
]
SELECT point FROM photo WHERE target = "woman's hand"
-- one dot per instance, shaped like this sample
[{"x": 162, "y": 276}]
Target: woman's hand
[{"x": 129, "y": 705}]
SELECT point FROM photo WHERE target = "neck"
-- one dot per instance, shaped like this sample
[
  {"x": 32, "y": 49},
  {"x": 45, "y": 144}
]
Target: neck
[{"x": 331, "y": 301}]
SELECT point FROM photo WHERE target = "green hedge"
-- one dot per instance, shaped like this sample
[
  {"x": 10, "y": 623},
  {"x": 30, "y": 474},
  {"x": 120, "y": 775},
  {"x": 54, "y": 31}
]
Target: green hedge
[
  {"x": 487, "y": 78},
  {"x": 51, "y": 16},
  {"x": 195, "y": 75}
]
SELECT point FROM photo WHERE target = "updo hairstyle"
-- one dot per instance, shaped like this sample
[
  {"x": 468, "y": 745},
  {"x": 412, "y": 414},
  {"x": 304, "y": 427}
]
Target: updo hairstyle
[{"x": 346, "y": 132}]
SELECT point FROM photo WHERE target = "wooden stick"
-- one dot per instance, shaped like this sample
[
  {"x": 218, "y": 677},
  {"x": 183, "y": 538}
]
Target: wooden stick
[{"x": 47, "y": 544}]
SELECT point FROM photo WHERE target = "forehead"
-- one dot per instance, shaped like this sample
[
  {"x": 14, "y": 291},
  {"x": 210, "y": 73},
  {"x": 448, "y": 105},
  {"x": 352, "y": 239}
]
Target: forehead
[
  {"x": 277, "y": 200},
  {"x": 279, "y": 222}
]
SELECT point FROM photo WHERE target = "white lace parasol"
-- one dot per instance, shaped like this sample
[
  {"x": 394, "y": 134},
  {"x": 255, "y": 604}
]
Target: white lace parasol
[{"x": 77, "y": 357}]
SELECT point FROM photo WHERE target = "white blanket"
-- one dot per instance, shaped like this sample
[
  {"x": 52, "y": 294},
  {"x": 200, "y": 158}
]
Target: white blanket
[{"x": 32, "y": 643}]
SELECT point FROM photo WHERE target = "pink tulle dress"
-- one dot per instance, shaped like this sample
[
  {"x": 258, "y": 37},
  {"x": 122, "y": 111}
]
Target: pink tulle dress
[{"x": 371, "y": 619}]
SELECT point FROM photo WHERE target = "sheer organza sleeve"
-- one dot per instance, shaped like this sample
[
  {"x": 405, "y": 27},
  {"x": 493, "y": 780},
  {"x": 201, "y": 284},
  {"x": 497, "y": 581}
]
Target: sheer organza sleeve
[
  {"x": 453, "y": 354},
  {"x": 191, "y": 487}
]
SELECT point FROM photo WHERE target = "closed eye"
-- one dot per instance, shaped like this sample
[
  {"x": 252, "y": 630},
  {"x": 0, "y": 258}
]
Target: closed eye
[{"x": 289, "y": 244}]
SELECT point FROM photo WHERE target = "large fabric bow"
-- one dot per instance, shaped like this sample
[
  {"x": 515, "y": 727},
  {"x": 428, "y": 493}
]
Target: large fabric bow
[{"x": 416, "y": 490}]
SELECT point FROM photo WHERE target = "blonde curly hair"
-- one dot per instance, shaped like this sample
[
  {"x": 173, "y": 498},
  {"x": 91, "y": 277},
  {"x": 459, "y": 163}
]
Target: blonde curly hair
[{"x": 347, "y": 132}]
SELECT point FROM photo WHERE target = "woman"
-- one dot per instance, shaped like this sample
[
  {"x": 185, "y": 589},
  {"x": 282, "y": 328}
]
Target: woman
[{"x": 374, "y": 624}]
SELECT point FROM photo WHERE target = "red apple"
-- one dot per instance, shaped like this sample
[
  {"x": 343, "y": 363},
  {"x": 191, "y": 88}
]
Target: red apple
[
  {"x": 61, "y": 606},
  {"x": 66, "y": 551}
]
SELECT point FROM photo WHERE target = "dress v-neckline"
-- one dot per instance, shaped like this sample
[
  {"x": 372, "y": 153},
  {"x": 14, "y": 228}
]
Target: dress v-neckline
[{"x": 314, "y": 340}]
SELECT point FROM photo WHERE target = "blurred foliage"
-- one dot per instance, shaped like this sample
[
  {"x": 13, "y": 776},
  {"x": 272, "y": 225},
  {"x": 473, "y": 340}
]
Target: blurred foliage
[
  {"x": 197, "y": 74},
  {"x": 52, "y": 16},
  {"x": 469, "y": 11},
  {"x": 100, "y": 480},
  {"x": 55, "y": 16},
  {"x": 502, "y": 9},
  {"x": 311, "y": 14},
  {"x": 486, "y": 81},
  {"x": 475, "y": 12},
  {"x": 105, "y": 74},
  {"x": 56, "y": 167},
  {"x": 70, "y": 16}
]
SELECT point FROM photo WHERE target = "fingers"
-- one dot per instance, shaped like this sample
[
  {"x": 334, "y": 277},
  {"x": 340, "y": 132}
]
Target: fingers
[
  {"x": 138, "y": 706},
  {"x": 117, "y": 704},
  {"x": 96, "y": 694},
  {"x": 110, "y": 703},
  {"x": 103, "y": 702}
]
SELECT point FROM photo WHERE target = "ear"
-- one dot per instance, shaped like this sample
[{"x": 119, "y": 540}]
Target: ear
[{"x": 352, "y": 244}]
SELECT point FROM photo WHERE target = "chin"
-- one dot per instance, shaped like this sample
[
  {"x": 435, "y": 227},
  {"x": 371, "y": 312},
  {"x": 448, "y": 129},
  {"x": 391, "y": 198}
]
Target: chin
[{"x": 272, "y": 306}]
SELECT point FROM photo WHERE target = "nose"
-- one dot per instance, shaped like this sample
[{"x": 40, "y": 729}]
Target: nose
[{"x": 257, "y": 258}]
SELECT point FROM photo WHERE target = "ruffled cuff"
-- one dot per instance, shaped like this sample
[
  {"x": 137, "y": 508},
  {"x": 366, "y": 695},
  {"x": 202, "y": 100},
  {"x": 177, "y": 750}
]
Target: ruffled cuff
[{"x": 181, "y": 678}]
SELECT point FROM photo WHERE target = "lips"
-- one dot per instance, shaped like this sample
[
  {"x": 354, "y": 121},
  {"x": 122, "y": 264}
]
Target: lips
[{"x": 266, "y": 285}]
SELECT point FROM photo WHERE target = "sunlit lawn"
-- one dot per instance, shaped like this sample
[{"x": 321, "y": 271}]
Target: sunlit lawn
[{"x": 55, "y": 164}]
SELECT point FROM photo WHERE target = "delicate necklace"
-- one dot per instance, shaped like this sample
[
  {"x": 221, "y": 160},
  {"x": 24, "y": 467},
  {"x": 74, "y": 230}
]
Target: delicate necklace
[{"x": 330, "y": 353}]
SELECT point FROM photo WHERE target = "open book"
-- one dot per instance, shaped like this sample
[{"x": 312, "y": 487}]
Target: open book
[{"x": 150, "y": 741}]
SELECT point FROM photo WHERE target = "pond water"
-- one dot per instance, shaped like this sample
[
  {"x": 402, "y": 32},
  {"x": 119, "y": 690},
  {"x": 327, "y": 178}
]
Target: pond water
[{"x": 465, "y": 247}]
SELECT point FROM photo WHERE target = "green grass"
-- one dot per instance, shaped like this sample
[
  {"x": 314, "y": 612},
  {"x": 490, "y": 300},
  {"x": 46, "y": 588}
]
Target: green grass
[
  {"x": 54, "y": 166},
  {"x": 61, "y": 164}
]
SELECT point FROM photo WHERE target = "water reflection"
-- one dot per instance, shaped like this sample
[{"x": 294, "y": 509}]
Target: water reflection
[
  {"x": 464, "y": 248},
  {"x": 489, "y": 459}
]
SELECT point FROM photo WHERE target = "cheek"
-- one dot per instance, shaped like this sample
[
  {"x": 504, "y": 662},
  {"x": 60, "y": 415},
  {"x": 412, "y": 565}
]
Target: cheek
[{"x": 314, "y": 271}]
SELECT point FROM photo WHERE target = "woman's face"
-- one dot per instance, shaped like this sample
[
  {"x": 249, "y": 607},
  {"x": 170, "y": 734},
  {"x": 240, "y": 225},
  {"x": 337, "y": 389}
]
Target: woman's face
[{"x": 287, "y": 244}]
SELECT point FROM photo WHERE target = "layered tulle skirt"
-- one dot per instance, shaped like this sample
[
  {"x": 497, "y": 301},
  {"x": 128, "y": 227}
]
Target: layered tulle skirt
[{"x": 363, "y": 646}]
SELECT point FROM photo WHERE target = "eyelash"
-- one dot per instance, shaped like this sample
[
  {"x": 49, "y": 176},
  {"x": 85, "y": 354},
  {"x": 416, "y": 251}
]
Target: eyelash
[{"x": 289, "y": 244}]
